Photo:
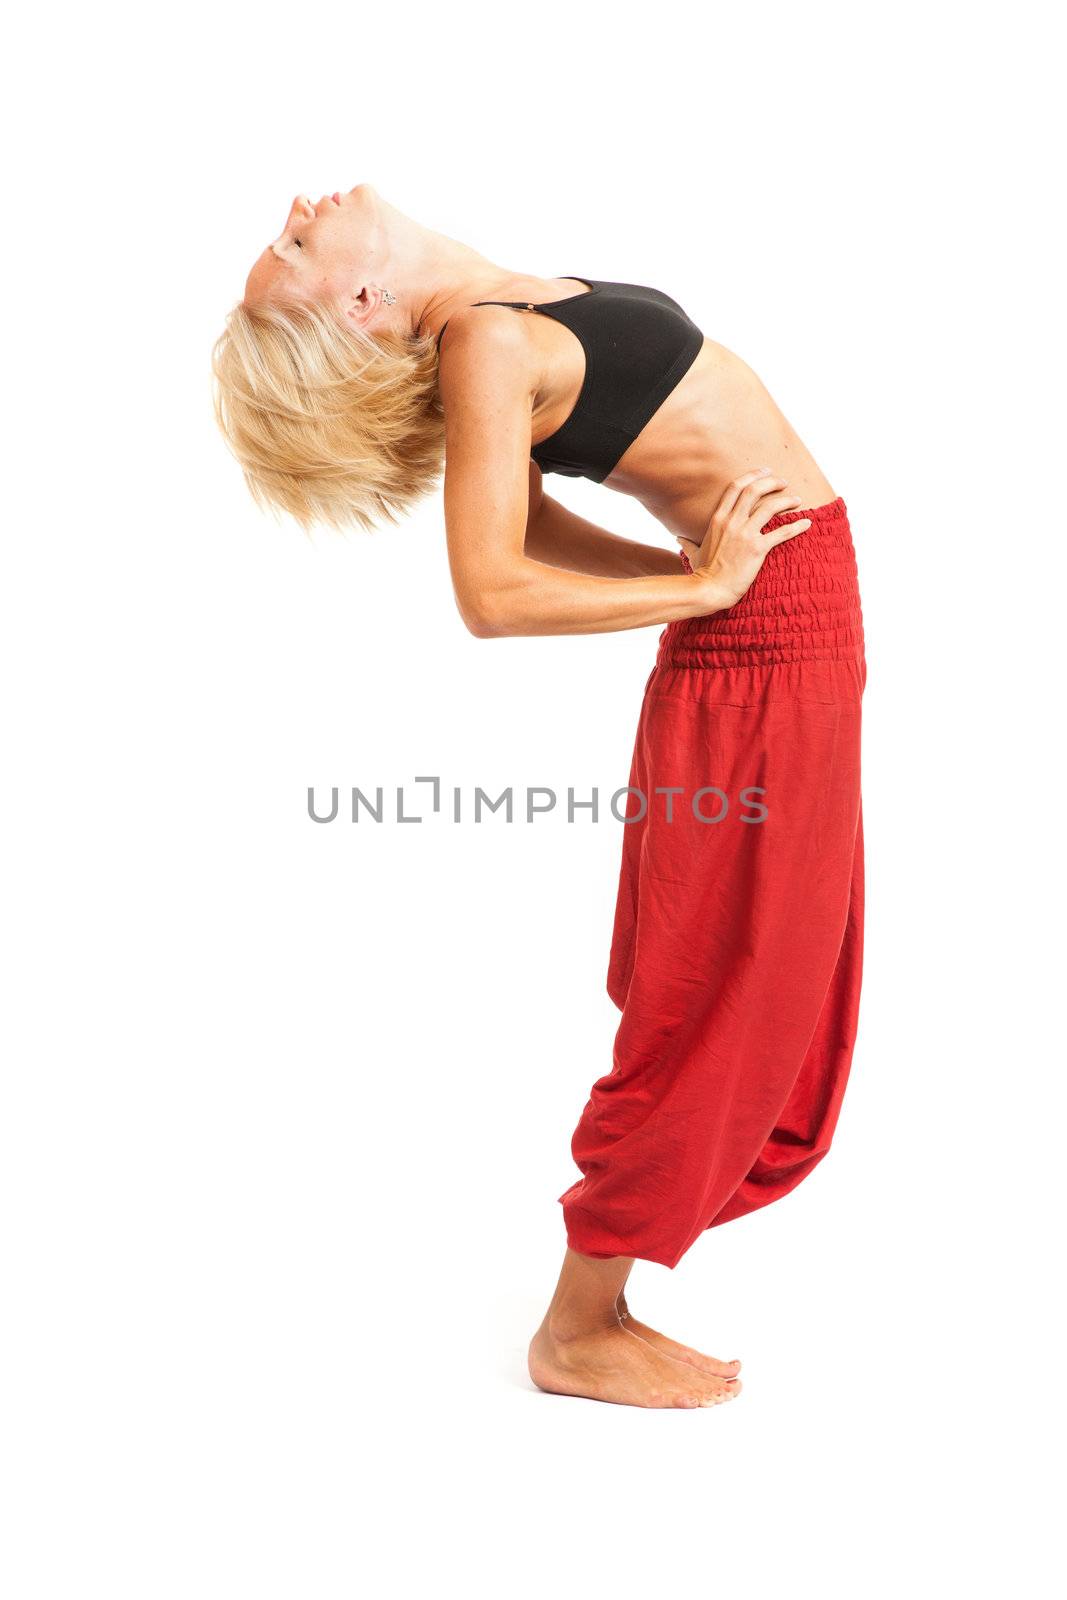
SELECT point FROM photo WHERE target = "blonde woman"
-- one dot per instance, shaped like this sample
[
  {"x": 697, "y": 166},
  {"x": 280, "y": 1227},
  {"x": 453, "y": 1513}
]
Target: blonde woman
[{"x": 368, "y": 353}]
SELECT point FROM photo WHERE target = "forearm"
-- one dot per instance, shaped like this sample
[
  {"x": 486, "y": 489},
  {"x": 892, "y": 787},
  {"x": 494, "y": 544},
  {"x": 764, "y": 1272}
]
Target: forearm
[
  {"x": 558, "y": 537},
  {"x": 528, "y": 597}
]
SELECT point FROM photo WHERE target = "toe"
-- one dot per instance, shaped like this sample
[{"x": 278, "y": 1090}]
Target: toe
[
  {"x": 723, "y": 1369},
  {"x": 727, "y": 1390}
]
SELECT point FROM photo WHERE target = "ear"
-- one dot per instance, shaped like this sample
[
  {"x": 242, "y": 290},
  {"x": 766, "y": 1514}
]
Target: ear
[
  {"x": 370, "y": 297},
  {"x": 359, "y": 304}
]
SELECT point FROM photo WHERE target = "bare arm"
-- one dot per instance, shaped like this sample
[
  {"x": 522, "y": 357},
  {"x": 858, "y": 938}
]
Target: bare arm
[
  {"x": 487, "y": 387},
  {"x": 558, "y": 537}
]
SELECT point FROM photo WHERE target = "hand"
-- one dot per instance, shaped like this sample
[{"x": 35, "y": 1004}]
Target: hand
[{"x": 735, "y": 546}]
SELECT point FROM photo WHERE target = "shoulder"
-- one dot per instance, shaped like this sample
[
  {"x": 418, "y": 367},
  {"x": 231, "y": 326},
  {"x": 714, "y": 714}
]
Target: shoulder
[
  {"x": 489, "y": 377},
  {"x": 487, "y": 364},
  {"x": 476, "y": 333}
]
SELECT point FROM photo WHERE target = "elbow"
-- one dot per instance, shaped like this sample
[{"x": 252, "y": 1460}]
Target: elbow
[
  {"x": 485, "y": 617},
  {"x": 483, "y": 630}
]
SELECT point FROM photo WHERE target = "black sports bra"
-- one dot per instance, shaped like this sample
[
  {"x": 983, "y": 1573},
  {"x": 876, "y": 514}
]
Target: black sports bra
[{"x": 638, "y": 343}]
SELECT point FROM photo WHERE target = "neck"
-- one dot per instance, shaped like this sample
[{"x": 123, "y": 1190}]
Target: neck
[{"x": 433, "y": 275}]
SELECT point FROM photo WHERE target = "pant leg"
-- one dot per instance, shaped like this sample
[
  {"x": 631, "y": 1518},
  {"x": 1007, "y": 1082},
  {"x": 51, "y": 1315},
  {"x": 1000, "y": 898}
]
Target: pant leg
[
  {"x": 805, "y": 1127},
  {"x": 729, "y": 935}
]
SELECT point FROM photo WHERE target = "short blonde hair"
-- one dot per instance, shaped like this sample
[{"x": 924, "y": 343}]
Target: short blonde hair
[{"x": 330, "y": 423}]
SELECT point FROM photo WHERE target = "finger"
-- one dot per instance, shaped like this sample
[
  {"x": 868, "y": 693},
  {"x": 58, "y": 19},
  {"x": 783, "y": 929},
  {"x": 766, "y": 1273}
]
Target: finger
[
  {"x": 770, "y": 505},
  {"x": 730, "y": 495},
  {"x": 763, "y": 484},
  {"x": 788, "y": 530}
]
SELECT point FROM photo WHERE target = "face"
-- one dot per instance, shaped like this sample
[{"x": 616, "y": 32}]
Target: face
[{"x": 324, "y": 250}]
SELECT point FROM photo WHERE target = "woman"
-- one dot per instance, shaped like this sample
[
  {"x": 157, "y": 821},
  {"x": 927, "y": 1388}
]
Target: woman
[{"x": 737, "y": 945}]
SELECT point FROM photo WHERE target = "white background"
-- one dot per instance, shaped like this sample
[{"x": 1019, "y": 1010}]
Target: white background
[{"x": 287, "y": 1108}]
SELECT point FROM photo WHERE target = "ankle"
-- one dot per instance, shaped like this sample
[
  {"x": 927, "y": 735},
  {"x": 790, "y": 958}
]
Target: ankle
[{"x": 564, "y": 1324}]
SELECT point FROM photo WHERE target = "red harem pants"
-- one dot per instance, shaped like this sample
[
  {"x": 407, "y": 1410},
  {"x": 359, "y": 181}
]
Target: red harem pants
[{"x": 737, "y": 948}]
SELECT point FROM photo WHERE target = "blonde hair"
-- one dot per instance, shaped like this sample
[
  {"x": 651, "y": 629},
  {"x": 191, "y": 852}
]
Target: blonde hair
[{"x": 330, "y": 423}]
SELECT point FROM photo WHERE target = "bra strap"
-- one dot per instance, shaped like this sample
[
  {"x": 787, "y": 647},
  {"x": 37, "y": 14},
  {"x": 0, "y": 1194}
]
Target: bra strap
[{"x": 517, "y": 305}]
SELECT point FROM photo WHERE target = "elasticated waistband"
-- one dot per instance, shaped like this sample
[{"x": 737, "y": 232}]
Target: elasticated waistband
[{"x": 803, "y": 606}]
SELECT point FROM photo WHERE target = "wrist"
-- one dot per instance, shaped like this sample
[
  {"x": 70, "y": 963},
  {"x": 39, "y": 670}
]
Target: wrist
[{"x": 709, "y": 593}]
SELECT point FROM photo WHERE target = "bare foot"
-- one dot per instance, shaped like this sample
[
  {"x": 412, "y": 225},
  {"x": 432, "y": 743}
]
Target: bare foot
[
  {"x": 671, "y": 1347},
  {"x": 613, "y": 1364}
]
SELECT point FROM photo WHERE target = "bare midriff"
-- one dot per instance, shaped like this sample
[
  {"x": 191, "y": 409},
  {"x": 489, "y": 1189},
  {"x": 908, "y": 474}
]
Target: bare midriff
[{"x": 718, "y": 423}]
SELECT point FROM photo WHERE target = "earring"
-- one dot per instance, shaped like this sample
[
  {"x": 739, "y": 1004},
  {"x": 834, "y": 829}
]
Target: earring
[{"x": 390, "y": 299}]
